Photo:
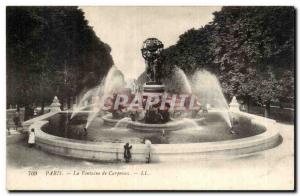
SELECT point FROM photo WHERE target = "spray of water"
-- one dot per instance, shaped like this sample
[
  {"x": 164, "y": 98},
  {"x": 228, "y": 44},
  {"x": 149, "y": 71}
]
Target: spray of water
[
  {"x": 179, "y": 74},
  {"x": 91, "y": 99},
  {"x": 82, "y": 102},
  {"x": 113, "y": 82},
  {"x": 203, "y": 84},
  {"x": 178, "y": 82},
  {"x": 190, "y": 123},
  {"x": 96, "y": 103},
  {"x": 122, "y": 123},
  {"x": 207, "y": 87}
]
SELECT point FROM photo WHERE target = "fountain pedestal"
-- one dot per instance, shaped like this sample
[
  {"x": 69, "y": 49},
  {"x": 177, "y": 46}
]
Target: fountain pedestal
[
  {"x": 152, "y": 53},
  {"x": 153, "y": 88},
  {"x": 154, "y": 115}
]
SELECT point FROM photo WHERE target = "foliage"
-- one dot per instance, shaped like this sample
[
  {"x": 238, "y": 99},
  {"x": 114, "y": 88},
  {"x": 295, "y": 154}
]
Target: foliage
[
  {"x": 192, "y": 51},
  {"x": 250, "y": 49},
  {"x": 51, "y": 51}
]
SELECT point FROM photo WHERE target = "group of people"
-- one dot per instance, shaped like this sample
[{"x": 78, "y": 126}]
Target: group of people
[{"x": 128, "y": 147}]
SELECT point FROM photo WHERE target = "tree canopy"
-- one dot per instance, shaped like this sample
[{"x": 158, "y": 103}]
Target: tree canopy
[
  {"x": 51, "y": 51},
  {"x": 250, "y": 49}
]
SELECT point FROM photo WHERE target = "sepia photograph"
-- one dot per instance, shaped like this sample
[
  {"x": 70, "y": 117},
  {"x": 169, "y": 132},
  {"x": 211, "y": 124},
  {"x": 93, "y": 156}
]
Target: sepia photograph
[{"x": 150, "y": 98}]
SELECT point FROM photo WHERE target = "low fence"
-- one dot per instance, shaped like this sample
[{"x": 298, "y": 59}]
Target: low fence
[{"x": 276, "y": 113}]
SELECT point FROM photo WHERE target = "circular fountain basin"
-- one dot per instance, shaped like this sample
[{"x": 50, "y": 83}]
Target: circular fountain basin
[
  {"x": 173, "y": 125},
  {"x": 181, "y": 149}
]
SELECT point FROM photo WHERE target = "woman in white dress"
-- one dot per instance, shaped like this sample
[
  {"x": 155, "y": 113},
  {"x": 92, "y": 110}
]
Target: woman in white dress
[{"x": 31, "y": 138}]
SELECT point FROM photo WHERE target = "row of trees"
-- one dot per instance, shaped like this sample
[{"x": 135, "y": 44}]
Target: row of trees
[
  {"x": 250, "y": 49},
  {"x": 51, "y": 51}
]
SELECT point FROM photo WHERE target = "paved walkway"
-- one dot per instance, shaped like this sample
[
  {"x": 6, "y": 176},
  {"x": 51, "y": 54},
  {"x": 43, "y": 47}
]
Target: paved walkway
[{"x": 271, "y": 169}]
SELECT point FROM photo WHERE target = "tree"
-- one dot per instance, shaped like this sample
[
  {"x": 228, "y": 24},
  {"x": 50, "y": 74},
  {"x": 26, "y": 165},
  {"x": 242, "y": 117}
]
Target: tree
[
  {"x": 286, "y": 88},
  {"x": 192, "y": 51},
  {"x": 255, "y": 43},
  {"x": 247, "y": 48},
  {"x": 51, "y": 51}
]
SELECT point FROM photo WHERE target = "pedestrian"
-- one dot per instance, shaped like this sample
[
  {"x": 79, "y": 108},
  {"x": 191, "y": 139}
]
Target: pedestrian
[
  {"x": 31, "y": 138},
  {"x": 127, "y": 153},
  {"x": 148, "y": 150},
  {"x": 17, "y": 120}
]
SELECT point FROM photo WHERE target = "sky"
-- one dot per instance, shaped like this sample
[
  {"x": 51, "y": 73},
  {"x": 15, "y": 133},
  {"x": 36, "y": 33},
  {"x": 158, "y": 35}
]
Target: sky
[{"x": 125, "y": 29}]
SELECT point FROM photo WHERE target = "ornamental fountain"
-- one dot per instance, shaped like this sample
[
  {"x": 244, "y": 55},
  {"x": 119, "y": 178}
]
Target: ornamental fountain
[
  {"x": 173, "y": 118},
  {"x": 156, "y": 106}
]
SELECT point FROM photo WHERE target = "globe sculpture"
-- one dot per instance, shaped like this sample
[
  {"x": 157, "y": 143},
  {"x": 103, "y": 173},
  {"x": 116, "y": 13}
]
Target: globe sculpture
[{"x": 151, "y": 51}]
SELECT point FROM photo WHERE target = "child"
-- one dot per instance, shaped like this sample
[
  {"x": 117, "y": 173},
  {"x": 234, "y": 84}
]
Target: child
[
  {"x": 31, "y": 139},
  {"x": 127, "y": 153}
]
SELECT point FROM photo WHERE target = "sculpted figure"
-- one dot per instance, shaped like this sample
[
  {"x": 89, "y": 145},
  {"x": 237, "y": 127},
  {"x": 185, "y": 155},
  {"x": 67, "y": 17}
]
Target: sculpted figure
[{"x": 151, "y": 51}]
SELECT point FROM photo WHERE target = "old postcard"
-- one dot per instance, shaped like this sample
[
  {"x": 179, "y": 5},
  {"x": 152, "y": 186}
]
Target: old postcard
[{"x": 150, "y": 98}]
